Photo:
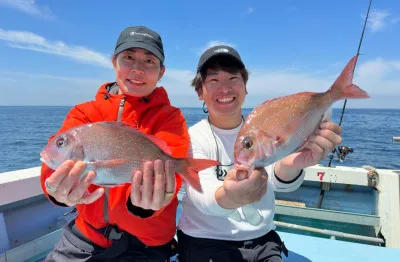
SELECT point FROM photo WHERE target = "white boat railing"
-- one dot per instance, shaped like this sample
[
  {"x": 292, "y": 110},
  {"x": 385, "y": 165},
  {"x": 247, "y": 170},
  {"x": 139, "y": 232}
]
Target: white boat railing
[
  {"x": 22, "y": 203},
  {"x": 331, "y": 233}
]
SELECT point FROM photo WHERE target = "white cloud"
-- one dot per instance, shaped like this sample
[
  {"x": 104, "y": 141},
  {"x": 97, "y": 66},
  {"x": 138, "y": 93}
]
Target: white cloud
[
  {"x": 45, "y": 89},
  {"x": 377, "y": 76},
  {"x": 33, "y": 42},
  {"x": 7, "y": 79},
  {"x": 184, "y": 76},
  {"x": 17, "y": 76},
  {"x": 218, "y": 42},
  {"x": 177, "y": 81},
  {"x": 214, "y": 43},
  {"x": 29, "y": 7},
  {"x": 378, "y": 68},
  {"x": 249, "y": 11},
  {"x": 267, "y": 82},
  {"x": 378, "y": 20}
]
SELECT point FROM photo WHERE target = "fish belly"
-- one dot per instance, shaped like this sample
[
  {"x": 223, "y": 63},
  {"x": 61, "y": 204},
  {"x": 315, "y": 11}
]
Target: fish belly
[{"x": 114, "y": 176}]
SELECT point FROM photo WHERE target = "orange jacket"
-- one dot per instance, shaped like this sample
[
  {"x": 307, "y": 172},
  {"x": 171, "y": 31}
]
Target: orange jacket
[{"x": 152, "y": 115}]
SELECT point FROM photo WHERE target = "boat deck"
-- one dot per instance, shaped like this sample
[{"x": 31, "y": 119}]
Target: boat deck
[
  {"x": 301, "y": 249},
  {"x": 307, "y": 248},
  {"x": 350, "y": 206}
]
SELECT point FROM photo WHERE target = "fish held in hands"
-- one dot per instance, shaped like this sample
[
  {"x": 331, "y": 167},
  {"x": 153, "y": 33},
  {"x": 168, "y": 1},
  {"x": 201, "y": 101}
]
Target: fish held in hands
[
  {"x": 282, "y": 126},
  {"x": 114, "y": 150}
]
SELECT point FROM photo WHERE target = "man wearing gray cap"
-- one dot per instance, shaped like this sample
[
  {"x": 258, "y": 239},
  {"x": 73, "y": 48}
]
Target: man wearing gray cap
[
  {"x": 129, "y": 222},
  {"x": 232, "y": 220}
]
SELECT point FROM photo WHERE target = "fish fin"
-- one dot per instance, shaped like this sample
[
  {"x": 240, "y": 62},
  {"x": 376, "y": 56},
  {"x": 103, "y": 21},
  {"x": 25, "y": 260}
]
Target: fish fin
[
  {"x": 279, "y": 141},
  {"x": 343, "y": 87},
  {"x": 189, "y": 170},
  {"x": 78, "y": 153},
  {"x": 352, "y": 91},
  {"x": 117, "y": 123},
  {"x": 302, "y": 145},
  {"x": 159, "y": 142},
  {"x": 108, "y": 163},
  {"x": 111, "y": 185},
  {"x": 327, "y": 115}
]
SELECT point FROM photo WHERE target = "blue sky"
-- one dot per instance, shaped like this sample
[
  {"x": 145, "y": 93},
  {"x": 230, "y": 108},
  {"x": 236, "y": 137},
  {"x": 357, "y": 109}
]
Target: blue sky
[{"x": 58, "y": 52}]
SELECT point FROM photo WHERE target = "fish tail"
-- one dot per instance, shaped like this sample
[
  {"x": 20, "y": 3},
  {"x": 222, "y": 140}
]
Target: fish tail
[
  {"x": 189, "y": 170},
  {"x": 343, "y": 87}
]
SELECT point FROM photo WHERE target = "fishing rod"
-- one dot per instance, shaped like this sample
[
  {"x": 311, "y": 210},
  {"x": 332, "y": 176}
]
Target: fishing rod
[
  {"x": 358, "y": 53},
  {"x": 343, "y": 151}
]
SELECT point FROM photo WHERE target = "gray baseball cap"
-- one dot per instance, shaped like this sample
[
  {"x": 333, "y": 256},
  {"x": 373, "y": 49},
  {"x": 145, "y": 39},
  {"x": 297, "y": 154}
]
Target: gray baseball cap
[
  {"x": 219, "y": 50},
  {"x": 140, "y": 37}
]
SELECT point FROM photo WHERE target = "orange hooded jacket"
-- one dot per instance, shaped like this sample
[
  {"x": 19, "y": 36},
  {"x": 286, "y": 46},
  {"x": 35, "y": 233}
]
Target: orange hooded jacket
[{"x": 152, "y": 115}]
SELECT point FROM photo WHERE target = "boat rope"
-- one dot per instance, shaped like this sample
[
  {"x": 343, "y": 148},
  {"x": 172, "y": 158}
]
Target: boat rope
[{"x": 373, "y": 176}]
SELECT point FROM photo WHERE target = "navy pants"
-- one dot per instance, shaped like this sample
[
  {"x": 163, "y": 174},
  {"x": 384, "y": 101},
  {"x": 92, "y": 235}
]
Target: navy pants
[
  {"x": 267, "y": 248},
  {"x": 74, "y": 246}
]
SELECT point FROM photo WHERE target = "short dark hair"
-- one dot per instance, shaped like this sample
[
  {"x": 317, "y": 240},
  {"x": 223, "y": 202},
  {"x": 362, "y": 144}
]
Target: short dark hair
[{"x": 224, "y": 63}]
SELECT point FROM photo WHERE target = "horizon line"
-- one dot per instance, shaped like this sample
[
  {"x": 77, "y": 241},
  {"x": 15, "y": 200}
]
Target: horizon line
[{"x": 393, "y": 108}]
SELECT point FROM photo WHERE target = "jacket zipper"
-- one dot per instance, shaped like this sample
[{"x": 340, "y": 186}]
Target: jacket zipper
[
  {"x": 107, "y": 190},
  {"x": 121, "y": 108}
]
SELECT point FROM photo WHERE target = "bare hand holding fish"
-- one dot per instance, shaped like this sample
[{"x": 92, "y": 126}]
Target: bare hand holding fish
[
  {"x": 65, "y": 185},
  {"x": 243, "y": 191},
  {"x": 149, "y": 195},
  {"x": 325, "y": 140},
  {"x": 244, "y": 188}
]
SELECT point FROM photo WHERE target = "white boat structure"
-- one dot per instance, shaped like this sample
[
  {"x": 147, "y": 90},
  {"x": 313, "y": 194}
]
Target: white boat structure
[{"x": 356, "y": 218}]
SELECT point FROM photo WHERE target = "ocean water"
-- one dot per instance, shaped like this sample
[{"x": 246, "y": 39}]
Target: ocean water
[{"x": 24, "y": 131}]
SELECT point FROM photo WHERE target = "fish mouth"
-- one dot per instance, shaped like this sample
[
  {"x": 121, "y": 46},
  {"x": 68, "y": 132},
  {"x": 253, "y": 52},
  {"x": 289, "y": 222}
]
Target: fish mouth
[{"x": 44, "y": 158}]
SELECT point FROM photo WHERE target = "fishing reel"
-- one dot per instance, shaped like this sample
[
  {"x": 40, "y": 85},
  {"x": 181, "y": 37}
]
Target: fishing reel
[{"x": 343, "y": 151}]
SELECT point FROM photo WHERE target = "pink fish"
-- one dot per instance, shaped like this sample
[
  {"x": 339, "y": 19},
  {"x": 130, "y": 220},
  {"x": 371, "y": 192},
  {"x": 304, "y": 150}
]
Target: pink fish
[
  {"x": 283, "y": 125},
  {"x": 114, "y": 150}
]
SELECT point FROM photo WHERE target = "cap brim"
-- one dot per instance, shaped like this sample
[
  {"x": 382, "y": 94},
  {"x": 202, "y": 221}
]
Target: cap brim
[
  {"x": 150, "y": 48},
  {"x": 216, "y": 55}
]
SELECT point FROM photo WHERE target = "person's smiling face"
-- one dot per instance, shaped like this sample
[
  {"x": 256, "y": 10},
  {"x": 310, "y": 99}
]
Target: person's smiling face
[
  {"x": 223, "y": 92},
  {"x": 137, "y": 72}
]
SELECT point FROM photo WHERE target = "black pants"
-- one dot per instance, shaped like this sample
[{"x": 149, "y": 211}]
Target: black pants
[
  {"x": 265, "y": 248},
  {"x": 73, "y": 246}
]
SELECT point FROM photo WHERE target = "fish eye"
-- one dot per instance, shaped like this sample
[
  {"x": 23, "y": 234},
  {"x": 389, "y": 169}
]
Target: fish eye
[
  {"x": 61, "y": 142},
  {"x": 247, "y": 142}
]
